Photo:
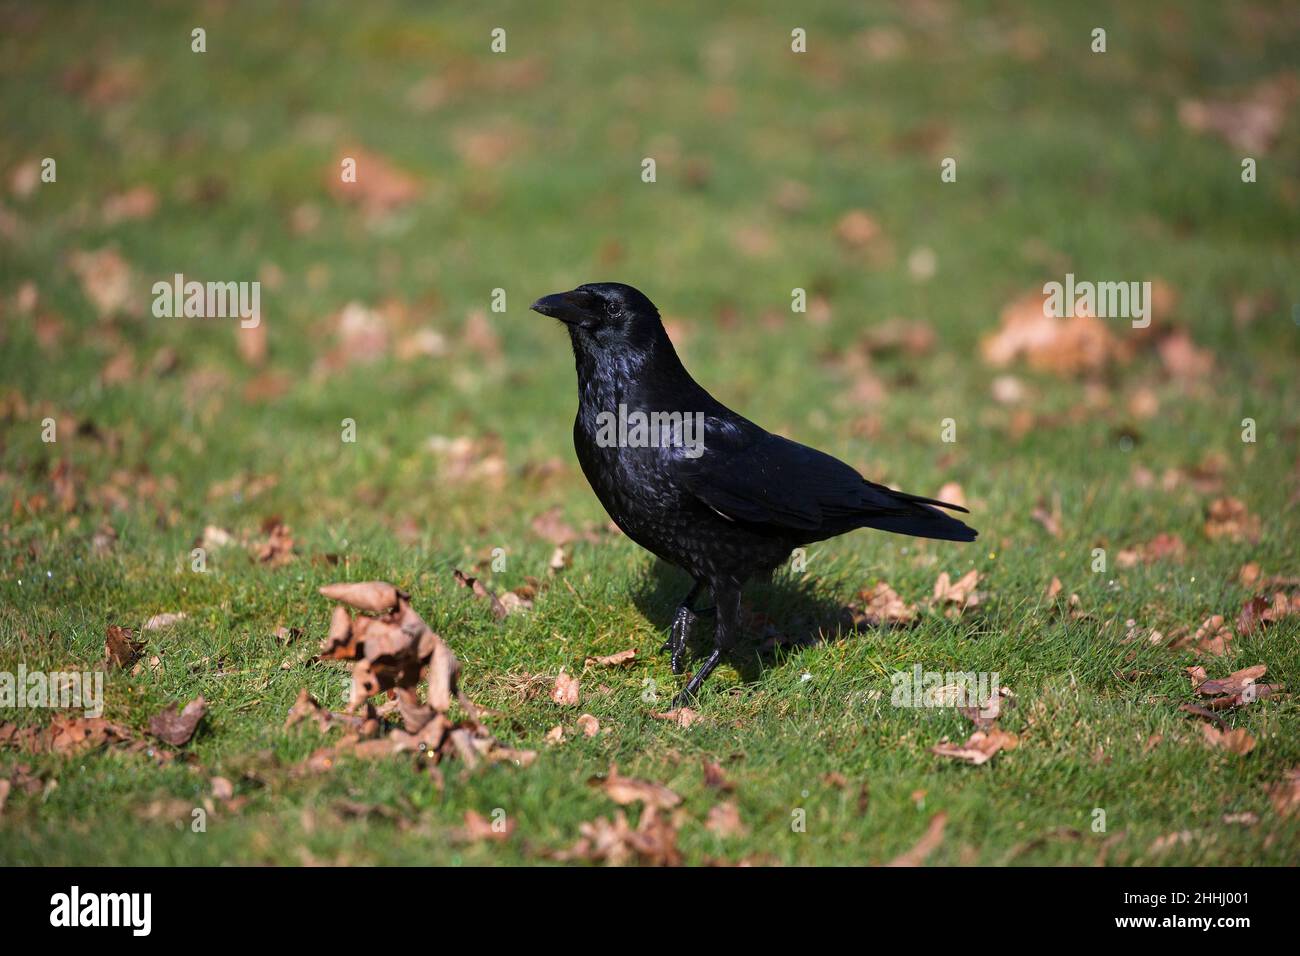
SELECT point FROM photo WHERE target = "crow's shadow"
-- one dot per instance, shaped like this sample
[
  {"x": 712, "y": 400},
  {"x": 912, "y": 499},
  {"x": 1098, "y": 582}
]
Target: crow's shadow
[{"x": 778, "y": 614}]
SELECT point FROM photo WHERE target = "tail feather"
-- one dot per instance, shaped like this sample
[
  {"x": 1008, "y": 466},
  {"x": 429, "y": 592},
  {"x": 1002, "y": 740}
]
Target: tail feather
[{"x": 924, "y": 522}]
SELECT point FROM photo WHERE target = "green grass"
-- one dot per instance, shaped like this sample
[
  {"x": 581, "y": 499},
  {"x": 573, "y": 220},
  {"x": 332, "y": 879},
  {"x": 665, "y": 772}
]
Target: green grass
[{"x": 1066, "y": 161}]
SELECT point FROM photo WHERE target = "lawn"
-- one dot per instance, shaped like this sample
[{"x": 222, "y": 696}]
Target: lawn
[{"x": 394, "y": 311}]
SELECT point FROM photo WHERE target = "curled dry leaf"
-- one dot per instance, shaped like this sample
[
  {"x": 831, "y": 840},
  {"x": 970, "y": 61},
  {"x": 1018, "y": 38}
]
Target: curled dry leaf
[
  {"x": 624, "y": 790},
  {"x": 555, "y": 735},
  {"x": 1072, "y": 345},
  {"x": 550, "y": 524},
  {"x": 478, "y": 828},
  {"x": 121, "y": 649},
  {"x": 1237, "y": 689},
  {"x": 1163, "y": 547},
  {"x": 986, "y": 713},
  {"x": 1234, "y": 683},
  {"x": 1228, "y": 518},
  {"x": 683, "y": 717},
  {"x": 881, "y": 606},
  {"x": 653, "y": 842},
  {"x": 1238, "y": 741},
  {"x": 715, "y": 777},
  {"x": 1250, "y": 123},
  {"x": 1259, "y": 612},
  {"x": 1049, "y": 518},
  {"x": 980, "y": 748},
  {"x": 480, "y": 590},
  {"x": 566, "y": 690},
  {"x": 105, "y": 279},
  {"x": 589, "y": 725},
  {"x": 959, "y": 595},
  {"x": 378, "y": 596},
  {"x": 306, "y": 707},
  {"x": 857, "y": 228},
  {"x": 621, "y": 659},
  {"x": 379, "y": 187},
  {"x": 1285, "y": 794},
  {"x": 1212, "y": 637},
  {"x": 277, "y": 549},
  {"x": 724, "y": 820},
  {"x": 929, "y": 842},
  {"x": 177, "y": 728}
]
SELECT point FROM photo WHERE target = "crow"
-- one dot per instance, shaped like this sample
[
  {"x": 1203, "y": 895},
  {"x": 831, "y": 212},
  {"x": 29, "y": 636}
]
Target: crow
[{"x": 696, "y": 484}]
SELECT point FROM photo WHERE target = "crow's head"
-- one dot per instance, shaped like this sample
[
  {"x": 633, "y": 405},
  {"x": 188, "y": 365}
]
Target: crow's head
[{"x": 604, "y": 316}]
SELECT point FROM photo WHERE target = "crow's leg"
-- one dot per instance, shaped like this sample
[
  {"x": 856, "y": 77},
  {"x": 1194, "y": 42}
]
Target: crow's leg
[
  {"x": 681, "y": 627},
  {"x": 725, "y": 633}
]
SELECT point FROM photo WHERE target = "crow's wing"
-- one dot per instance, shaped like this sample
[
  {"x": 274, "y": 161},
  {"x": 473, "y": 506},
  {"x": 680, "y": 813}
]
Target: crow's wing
[{"x": 747, "y": 474}]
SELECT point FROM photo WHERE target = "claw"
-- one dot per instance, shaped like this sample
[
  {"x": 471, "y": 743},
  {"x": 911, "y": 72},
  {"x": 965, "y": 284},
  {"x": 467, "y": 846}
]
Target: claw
[{"x": 677, "y": 636}]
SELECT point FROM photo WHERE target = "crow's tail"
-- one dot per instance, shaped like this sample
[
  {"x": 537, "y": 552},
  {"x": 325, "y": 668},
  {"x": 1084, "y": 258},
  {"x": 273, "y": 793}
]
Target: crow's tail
[{"x": 922, "y": 521}]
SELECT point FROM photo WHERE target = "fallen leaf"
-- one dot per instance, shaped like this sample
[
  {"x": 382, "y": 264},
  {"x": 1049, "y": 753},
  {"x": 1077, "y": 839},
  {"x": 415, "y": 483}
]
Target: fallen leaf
[
  {"x": 654, "y": 841},
  {"x": 683, "y": 717},
  {"x": 857, "y": 228},
  {"x": 589, "y": 725},
  {"x": 724, "y": 820},
  {"x": 959, "y": 595},
  {"x": 980, "y": 748},
  {"x": 929, "y": 842},
  {"x": 278, "y": 548},
  {"x": 478, "y": 828},
  {"x": 882, "y": 608},
  {"x": 480, "y": 590},
  {"x": 177, "y": 729},
  {"x": 624, "y": 790},
  {"x": 380, "y": 187},
  {"x": 121, "y": 649},
  {"x": 1237, "y": 741},
  {"x": 1065, "y": 346},
  {"x": 105, "y": 279},
  {"x": 566, "y": 690},
  {"x": 550, "y": 524},
  {"x": 1285, "y": 794},
  {"x": 715, "y": 777},
  {"x": 1249, "y": 124},
  {"x": 1050, "y": 520},
  {"x": 378, "y": 596},
  {"x": 1228, "y": 518},
  {"x": 307, "y": 708},
  {"x": 620, "y": 659}
]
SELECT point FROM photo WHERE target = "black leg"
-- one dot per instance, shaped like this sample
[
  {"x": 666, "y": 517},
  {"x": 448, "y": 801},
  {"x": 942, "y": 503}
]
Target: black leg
[
  {"x": 725, "y": 633},
  {"x": 681, "y": 628}
]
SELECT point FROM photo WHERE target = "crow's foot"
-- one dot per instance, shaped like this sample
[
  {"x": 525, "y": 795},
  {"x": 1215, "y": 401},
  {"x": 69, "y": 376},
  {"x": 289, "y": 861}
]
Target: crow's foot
[
  {"x": 678, "y": 634},
  {"x": 692, "y": 688}
]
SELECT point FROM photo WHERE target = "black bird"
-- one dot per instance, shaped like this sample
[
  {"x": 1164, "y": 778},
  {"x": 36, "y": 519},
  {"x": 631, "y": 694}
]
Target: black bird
[{"x": 723, "y": 512}]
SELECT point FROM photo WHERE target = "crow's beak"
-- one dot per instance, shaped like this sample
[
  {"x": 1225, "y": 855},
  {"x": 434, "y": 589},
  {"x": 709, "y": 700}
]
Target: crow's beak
[{"x": 565, "y": 306}]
